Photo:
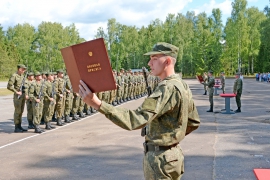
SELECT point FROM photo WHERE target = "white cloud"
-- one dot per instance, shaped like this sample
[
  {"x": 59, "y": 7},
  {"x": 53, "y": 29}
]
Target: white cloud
[
  {"x": 87, "y": 15},
  {"x": 224, "y": 6}
]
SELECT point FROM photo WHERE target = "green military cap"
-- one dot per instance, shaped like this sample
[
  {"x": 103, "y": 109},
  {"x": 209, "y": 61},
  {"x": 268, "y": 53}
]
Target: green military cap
[
  {"x": 45, "y": 72},
  {"x": 164, "y": 48},
  {"x": 37, "y": 73},
  {"x": 30, "y": 74},
  {"x": 122, "y": 69},
  {"x": 21, "y": 66},
  {"x": 50, "y": 73},
  {"x": 210, "y": 71},
  {"x": 60, "y": 71},
  {"x": 55, "y": 73}
]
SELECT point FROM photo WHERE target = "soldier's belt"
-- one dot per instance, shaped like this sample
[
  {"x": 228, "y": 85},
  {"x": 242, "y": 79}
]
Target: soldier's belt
[{"x": 149, "y": 147}]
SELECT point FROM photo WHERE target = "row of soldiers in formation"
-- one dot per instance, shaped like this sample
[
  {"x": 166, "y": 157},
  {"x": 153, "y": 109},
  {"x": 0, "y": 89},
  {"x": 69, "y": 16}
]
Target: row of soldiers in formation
[{"x": 49, "y": 96}]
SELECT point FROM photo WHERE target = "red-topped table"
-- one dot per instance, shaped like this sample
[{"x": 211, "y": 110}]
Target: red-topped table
[
  {"x": 228, "y": 103},
  {"x": 262, "y": 174},
  {"x": 216, "y": 88}
]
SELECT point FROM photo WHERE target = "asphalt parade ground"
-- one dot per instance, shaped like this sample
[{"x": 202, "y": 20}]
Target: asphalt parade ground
[{"x": 225, "y": 147}]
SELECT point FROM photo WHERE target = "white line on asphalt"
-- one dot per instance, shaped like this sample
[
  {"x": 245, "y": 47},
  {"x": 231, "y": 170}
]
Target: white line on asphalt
[{"x": 15, "y": 142}]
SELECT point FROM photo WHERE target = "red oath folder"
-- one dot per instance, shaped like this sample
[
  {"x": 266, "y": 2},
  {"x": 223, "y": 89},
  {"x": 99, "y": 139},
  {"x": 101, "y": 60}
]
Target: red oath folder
[{"x": 89, "y": 62}]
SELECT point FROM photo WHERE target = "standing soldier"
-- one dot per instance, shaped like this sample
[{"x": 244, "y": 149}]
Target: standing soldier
[
  {"x": 37, "y": 92},
  {"x": 49, "y": 101},
  {"x": 169, "y": 115},
  {"x": 119, "y": 88},
  {"x": 113, "y": 92},
  {"x": 68, "y": 99},
  {"x": 16, "y": 85},
  {"x": 210, "y": 84},
  {"x": 60, "y": 89},
  {"x": 27, "y": 85},
  {"x": 205, "y": 80},
  {"x": 222, "y": 79},
  {"x": 237, "y": 89},
  {"x": 75, "y": 106}
]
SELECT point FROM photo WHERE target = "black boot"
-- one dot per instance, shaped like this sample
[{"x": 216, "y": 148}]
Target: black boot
[
  {"x": 114, "y": 103},
  {"x": 59, "y": 122},
  {"x": 88, "y": 112},
  {"x": 211, "y": 109},
  {"x": 93, "y": 110},
  {"x": 67, "y": 119},
  {"x": 48, "y": 126},
  {"x": 31, "y": 125},
  {"x": 76, "y": 118},
  {"x": 42, "y": 122},
  {"x": 17, "y": 129},
  {"x": 38, "y": 130},
  {"x": 81, "y": 115},
  {"x": 20, "y": 126},
  {"x": 52, "y": 127},
  {"x": 238, "y": 110},
  {"x": 205, "y": 93},
  {"x": 54, "y": 118}
]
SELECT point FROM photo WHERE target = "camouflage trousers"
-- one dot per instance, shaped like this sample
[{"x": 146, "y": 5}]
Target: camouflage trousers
[
  {"x": 68, "y": 104},
  {"x": 211, "y": 94},
  {"x": 112, "y": 95},
  {"x": 37, "y": 112},
  {"x": 238, "y": 99},
  {"x": 29, "y": 110},
  {"x": 60, "y": 106},
  {"x": 165, "y": 165},
  {"x": 75, "y": 105},
  {"x": 223, "y": 88},
  {"x": 19, "y": 107},
  {"x": 48, "y": 110}
]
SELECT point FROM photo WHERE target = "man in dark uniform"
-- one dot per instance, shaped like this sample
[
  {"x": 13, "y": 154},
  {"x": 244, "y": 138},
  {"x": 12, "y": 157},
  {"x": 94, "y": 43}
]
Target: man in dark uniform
[
  {"x": 16, "y": 85},
  {"x": 237, "y": 89},
  {"x": 169, "y": 114}
]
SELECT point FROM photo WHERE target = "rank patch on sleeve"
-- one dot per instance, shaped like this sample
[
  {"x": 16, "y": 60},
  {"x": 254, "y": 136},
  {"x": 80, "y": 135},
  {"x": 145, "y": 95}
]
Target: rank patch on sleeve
[{"x": 149, "y": 104}]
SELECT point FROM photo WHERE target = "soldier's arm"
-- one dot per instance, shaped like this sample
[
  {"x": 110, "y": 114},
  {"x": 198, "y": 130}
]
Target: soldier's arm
[
  {"x": 153, "y": 106},
  {"x": 45, "y": 93},
  {"x": 10, "y": 85},
  {"x": 31, "y": 93}
]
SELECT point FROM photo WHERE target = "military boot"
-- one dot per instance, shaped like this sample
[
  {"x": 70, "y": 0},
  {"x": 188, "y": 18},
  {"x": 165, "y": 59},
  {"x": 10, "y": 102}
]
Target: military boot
[
  {"x": 81, "y": 115},
  {"x": 93, "y": 110},
  {"x": 88, "y": 112},
  {"x": 52, "y": 126},
  {"x": 76, "y": 118},
  {"x": 31, "y": 125},
  {"x": 54, "y": 118},
  {"x": 20, "y": 126},
  {"x": 238, "y": 110},
  {"x": 59, "y": 122},
  {"x": 205, "y": 93},
  {"x": 42, "y": 122},
  {"x": 38, "y": 130},
  {"x": 211, "y": 109},
  {"x": 17, "y": 129},
  {"x": 67, "y": 119},
  {"x": 47, "y": 126}
]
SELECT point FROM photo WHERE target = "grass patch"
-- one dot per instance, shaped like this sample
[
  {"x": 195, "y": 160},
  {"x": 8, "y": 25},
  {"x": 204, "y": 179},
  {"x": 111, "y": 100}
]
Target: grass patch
[{"x": 5, "y": 92}]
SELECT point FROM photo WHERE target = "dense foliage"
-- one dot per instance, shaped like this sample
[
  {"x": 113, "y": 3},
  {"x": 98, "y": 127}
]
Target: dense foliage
[{"x": 243, "y": 44}]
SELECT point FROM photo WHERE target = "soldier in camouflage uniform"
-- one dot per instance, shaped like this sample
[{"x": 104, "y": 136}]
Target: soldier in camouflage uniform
[
  {"x": 14, "y": 83},
  {"x": 222, "y": 79},
  {"x": 37, "y": 92},
  {"x": 49, "y": 101},
  {"x": 113, "y": 92},
  {"x": 68, "y": 99},
  {"x": 27, "y": 85},
  {"x": 75, "y": 106},
  {"x": 119, "y": 88},
  {"x": 237, "y": 89},
  {"x": 60, "y": 85},
  {"x": 169, "y": 114},
  {"x": 205, "y": 80},
  {"x": 210, "y": 84}
]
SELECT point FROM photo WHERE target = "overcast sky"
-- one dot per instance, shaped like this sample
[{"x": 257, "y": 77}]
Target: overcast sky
[{"x": 88, "y": 15}]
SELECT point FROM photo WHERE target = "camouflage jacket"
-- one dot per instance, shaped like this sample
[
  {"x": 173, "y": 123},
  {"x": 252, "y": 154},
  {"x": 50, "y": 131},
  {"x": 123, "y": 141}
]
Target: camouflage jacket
[
  {"x": 27, "y": 86},
  {"x": 222, "y": 79},
  {"x": 50, "y": 90},
  {"x": 169, "y": 113},
  {"x": 211, "y": 82},
  {"x": 15, "y": 82},
  {"x": 238, "y": 86},
  {"x": 35, "y": 89}
]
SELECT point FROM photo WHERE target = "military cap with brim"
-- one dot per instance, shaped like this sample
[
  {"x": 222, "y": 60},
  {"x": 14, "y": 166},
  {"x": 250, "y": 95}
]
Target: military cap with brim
[
  {"x": 54, "y": 73},
  {"x": 210, "y": 71},
  {"x": 60, "y": 71},
  {"x": 30, "y": 74},
  {"x": 45, "y": 72},
  {"x": 164, "y": 48},
  {"x": 37, "y": 73},
  {"x": 50, "y": 73},
  {"x": 21, "y": 66}
]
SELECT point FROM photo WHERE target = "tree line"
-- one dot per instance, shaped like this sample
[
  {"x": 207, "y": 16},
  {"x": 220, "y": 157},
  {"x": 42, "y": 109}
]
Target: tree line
[{"x": 242, "y": 44}]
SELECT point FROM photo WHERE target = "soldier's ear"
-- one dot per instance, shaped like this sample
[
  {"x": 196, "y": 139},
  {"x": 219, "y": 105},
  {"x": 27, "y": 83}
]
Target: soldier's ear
[{"x": 169, "y": 60}]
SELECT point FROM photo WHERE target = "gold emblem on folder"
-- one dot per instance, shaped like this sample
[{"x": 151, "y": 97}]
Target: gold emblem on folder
[{"x": 90, "y": 53}]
